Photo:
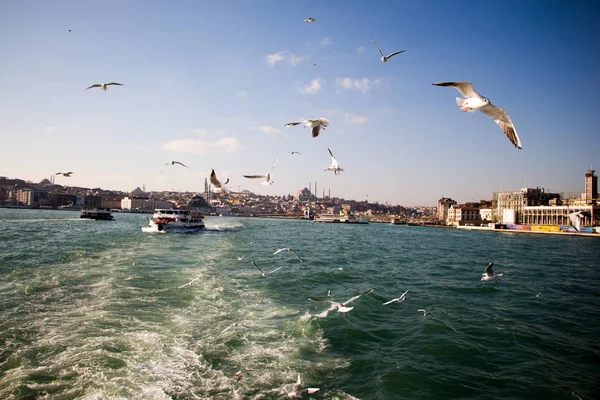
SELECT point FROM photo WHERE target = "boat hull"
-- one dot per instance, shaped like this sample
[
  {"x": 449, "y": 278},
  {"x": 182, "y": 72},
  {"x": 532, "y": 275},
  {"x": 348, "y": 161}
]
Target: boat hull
[{"x": 176, "y": 221}]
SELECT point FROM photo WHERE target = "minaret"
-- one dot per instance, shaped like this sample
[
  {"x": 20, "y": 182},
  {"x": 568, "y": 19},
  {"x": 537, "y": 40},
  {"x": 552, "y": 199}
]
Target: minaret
[{"x": 316, "y": 191}]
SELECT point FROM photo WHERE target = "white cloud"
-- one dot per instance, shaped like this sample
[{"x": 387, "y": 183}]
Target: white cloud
[
  {"x": 325, "y": 42},
  {"x": 199, "y": 132},
  {"x": 362, "y": 85},
  {"x": 193, "y": 146},
  {"x": 361, "y": 49},
  {"x": 283, "y": 56},
  {"x": 355, "y": 118},
  {"x": 266, "y": 129},
  {"x": 314, "y": 87},
  {"x": 242, "y": 93}
]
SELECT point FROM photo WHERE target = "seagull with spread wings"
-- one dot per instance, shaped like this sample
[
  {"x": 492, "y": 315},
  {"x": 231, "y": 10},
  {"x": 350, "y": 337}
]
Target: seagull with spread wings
[
  {"x": 315, "y": 124},
  {"x": 172, "y": 163},
  {"x": 266, "y": 178},
  {"x": 425, "y": 313},
  {"x": 474, "y": 101},
  {"x": 288, "y": 249},
  {"x": 335, "y": 166},
  {"x": 216, "y": 182},
  {"x": 298, "y": 390},
  {"x": 264, "y": 274},
  {"x": 490, "y": 274},
  {"x": 341, "y": 307},
  {"x": 310, "y": 19},
  {"x": 104, "y": 86},
  {"x": 67, "y": 174},
  {"x": 400, "y": 299},
  {"x": 386, "y": 58}
]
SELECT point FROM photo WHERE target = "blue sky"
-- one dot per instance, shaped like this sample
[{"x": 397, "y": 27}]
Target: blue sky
[{"x": 212, "y": 84}]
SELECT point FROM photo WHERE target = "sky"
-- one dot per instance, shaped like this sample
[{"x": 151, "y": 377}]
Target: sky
[{"x": 212, "y": 84}]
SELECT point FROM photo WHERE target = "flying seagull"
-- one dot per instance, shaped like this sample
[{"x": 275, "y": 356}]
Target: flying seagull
[
  {"x": 266, "y": 178},
  {"x": 216, "y": 182},
  {"x": 425, "y": 313},
  {"x": 172, "y": 163},
  {"x": 576, "y": 217},
  {"x": 474, "y": 101},
  {"x": 264, "y": 274},
  {"x": 297, "y": 390},
  {"x": 386, "y": 58},
  {"x": 240, "y": 258},
  {"x": 400, "y": 299},
  {"x": 341, "y": 307},
  {"x": 104, "y": 86},
  {"x": 315, "y": 124},
  {"x": 310, "y": 19},
  {"x": 291, "y": 152},
  {"x": 235, "y": 324},
  {"x": 335, "y": 167},
  {"x": 288, "y": 249},
  {"x": 490, "y": 274},
  {"x": 67, "y": 174}
]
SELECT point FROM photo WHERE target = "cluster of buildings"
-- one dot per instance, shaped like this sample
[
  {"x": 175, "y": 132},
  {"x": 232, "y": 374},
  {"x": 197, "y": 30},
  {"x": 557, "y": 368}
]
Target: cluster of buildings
[{"x": 527, "y": 207}]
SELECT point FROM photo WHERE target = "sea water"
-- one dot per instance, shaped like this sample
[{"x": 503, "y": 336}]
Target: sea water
[{"x": 101, "y": 310}]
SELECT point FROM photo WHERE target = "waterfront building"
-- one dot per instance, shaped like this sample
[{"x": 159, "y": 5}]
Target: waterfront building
[
  {"x": 145, "y": 204},
  {"x": 443, "y": 206},
  {"x": 591, "y": 187},
  {"x": 517, "y": 200},
  {"x": 559, "y": 215},
  {"x": 464, "y": 215}
]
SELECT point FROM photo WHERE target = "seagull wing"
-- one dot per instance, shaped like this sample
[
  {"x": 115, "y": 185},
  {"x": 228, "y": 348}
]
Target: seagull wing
[
  {"x": 403, "y": 295},
  {"x": 182, "y": 164},
  {"x": 489, "y": 270},
  {"x": 297, "y": 256},
  {"x": 164, "y": 167},
  {"x": 311, "y": 390},
  {"x": 255, "y": 176},
  {"x": 224, "y": 330},
  {"x": 257, "y": 267},
  {"x": 503, "y": 120},
  {"x": 330, "y": 153},
  {"x": 276, "y": 269},
  {"x": 350, "y": 300},
  {"x": 380, "y": 52},
  {"x": 94, "y": 85},
  {"x": 316, "y": 130},
  {"x": 213, "y": 178},
  {"x": 290, "y": 124},
  {"x": 113, "y": 83},
  {"x": 394, "y": 53},
  {"x": 280, "y": 250},
  {"x": 391, "y": 301},
  {"x": 465, "y": 88},
  {"x": 277, "y": 159}
]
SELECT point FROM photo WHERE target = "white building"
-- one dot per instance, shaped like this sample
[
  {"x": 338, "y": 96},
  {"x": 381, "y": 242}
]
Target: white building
[{"x": 144, "y": 204}]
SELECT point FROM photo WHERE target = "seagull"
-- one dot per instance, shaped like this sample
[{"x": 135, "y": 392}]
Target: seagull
[
  {"x": 400, "y": 299},
  {"x": 342, "y": 307},
  {"x": 386, "y": 58},
  {"x": 489, "y": 274},
  {"x": 425, "y": 313},
  {"x": 538, "y": 295},
  {"x": 329, "y": 293},
  {"x": 576, "y": 217},
  {"x": 267, "y": 177},
  {"x": 216, "y": 182},
  {"x": 288, "y": 249},
  {"x": 172, "y": 163},
  {"x": 310, "y": 19},
  {"x": 474, "y": 101},
  {"x": 241, "y": 258},
  {"x": 297, "y": 390},
  {"x": 292, "y": 152},
  {"x": 235, "y": 324},
  {"x": 315, "y": 124},
  {"x": 335, "y": 167},
  {"x": 265, "y": 274},
  {"x": 104, "y": 86},
  {"x": 67, "y": 174}
]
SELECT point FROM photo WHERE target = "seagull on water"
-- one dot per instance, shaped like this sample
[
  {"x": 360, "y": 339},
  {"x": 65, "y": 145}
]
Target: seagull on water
[
  {"x": 264, "y": 274},
  {"x": 216, "y": 182},
  {"x": 341, "y": 307},
  {"x": 335, "y": 166},
  {"x": 266, "y": 178},
  {"x": 172, "y": 163},
  {"x": 386, "y": 58},
  {"x": 288, "y": 249},
  {"x": 297, "y": 390},
  {"x": 490, "y": 274},
  {"x": 104, "y": 86},
  {"x": 425, "y": 313},
  {"x": 234, "y": 325},
  {"x": 67, "y": 174},
  {"x": 474, "y": 101},
  {"x": 310, "y": 19},
  {"x": 315, "y": 124},
  {"x": 400, "y": 299}
]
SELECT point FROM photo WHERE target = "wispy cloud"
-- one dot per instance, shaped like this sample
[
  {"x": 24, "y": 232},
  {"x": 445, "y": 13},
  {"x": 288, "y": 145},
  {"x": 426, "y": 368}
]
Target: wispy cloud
[
  {"x": 283, "y": 56},
  {"x": 325, "y": 42},
  {"x": 361, "y": 49},
  {"x": 355, "y": 118},
  {"x": 267, "y": 129},
  {"x": 242, "y": 93},
  {"x": 194, "y": 146},
  {"x": 314, "y": 87},
  {"x": 362, "y": 85}
]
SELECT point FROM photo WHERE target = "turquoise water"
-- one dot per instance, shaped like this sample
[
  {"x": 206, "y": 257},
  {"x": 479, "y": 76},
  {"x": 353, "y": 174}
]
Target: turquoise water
[{"x": 101, "y": 310}]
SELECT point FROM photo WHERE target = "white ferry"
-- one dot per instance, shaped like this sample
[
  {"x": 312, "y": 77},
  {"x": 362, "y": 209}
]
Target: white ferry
[
  {"x": 343, "y": 217},
  {"x": 165, "y": 220}
]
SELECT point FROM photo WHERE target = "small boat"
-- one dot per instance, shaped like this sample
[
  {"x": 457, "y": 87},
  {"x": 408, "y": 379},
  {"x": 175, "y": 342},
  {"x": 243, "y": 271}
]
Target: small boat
[
  {"x": 168, "y": 220},
  {"x": 343, "y": 217},
  {"x": 99, "y": 215},
  {"x": 397, "y": 221}
]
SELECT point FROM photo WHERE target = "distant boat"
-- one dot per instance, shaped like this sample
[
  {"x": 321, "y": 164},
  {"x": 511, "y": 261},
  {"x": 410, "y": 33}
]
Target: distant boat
[
  {"x": 397, "y": 221},
  {"x": 70, "y": 206},
  {"x": 99, "y": 215},
  {"x": 343, "y": 217},
  {"x": 167, "y": 220}
]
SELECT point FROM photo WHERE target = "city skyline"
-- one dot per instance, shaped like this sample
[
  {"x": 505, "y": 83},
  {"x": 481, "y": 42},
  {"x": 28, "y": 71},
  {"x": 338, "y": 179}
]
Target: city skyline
[{"x": 213, "y": 84}]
